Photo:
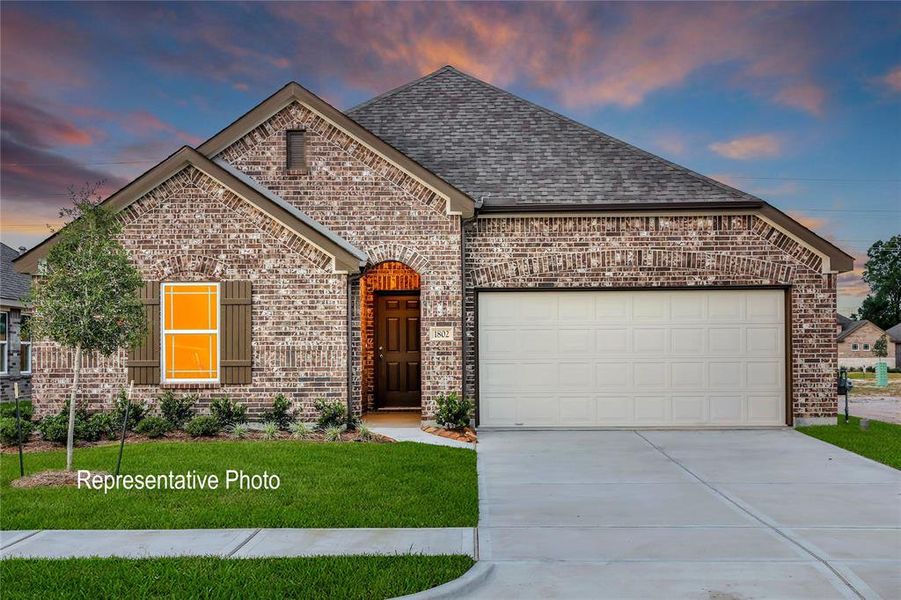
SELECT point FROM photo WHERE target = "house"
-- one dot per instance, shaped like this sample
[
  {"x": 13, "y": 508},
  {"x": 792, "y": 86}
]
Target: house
[
  {"x": 449, "y": 236},
  {"x": 855, "y": 341},
  {"x": 15, "y": 348},
  {"x": 894, "y": 337}
]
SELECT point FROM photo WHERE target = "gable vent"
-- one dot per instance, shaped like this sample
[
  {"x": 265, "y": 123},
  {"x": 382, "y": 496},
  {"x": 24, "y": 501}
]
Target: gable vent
[{"x": 296, "y": 150}]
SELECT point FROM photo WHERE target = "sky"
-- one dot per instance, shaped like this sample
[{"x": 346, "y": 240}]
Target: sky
[{"x": 799, "y": 104}]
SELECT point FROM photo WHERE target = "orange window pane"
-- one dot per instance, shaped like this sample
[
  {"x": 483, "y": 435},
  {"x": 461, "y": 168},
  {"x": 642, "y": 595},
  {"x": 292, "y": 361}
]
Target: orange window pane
[
  {"x": 192, "y": 356},
  {"x": 191, "y": 307}
]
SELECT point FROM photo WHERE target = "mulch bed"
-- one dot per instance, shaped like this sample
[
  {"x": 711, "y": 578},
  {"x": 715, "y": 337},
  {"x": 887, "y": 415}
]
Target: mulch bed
[
  {"x": 467, "y": 434},
  {"x": 51, "y": 479},
  {"x": 36, "y": 444}
]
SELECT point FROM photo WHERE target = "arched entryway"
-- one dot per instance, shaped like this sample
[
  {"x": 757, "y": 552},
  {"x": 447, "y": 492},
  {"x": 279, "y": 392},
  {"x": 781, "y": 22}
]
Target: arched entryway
[{"x": 390, "y": 335}]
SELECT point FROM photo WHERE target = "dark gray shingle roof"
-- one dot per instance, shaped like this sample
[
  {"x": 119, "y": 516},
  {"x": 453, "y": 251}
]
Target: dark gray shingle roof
[
  {"x": 505, "y": 150},
  {"x": 851, "y": 328},
  {"x": 13, "y": 286},
  {"x": 894, "y": 333},
  {"x": 843, "y": 320}
]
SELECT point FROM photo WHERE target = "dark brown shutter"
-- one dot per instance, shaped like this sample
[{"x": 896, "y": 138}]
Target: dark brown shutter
[
  {"x": 296, "y": 151},
  {"x": 144, "y": 361},
  {"x": 234, "y": 343}
]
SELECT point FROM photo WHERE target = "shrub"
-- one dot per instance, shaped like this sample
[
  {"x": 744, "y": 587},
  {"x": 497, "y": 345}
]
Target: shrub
[
  {"x": 136, "y": 410},
  {"x": 154, "y": 427},
  {"x": 270, "y": 431},
  {"x": 333, "y": 433},
  {"x": 54, "y": 428},
  {"x": 300, "y": 431},
  {"x": 203, "y": 426},
  {"x": 228, "y": 412},
  {"x": 280, "y": 413},
  {"x": 177, "y": 411},
  {"x": 26, "y": 410},
  {"x": 332, "y": 413},
  {"x": 238, "y": 431},
  {"x": 364, "y": 434},
  {"x": 103, "y": 424},
  {"x": 8, "y": 435},
  {"x": 454, "y": 412}
]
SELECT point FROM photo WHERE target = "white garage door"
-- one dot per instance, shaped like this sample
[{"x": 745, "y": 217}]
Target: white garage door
[{"x": 644, "y": 358}]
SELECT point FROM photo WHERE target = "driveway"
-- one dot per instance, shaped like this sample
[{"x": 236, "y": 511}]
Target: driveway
[{"x": 685, "y": 514}]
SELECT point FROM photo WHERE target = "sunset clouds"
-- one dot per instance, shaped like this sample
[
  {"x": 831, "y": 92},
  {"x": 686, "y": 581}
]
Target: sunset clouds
[{"x": 748, "y": 147}]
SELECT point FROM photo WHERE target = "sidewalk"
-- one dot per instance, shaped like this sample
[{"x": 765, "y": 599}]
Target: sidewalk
[{"x": 236, "y": 543}]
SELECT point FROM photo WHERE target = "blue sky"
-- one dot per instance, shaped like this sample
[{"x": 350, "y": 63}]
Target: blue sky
[{"x": 796, "y": 103}]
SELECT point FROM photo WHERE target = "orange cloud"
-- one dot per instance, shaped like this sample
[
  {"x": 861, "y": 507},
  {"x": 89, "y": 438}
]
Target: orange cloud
[
  {"x": 142, "y": 123},
  {"x": 749, "y": 147},
  {"x": 671, "y": 143},
  {"x": 729, "y": 180},
  {"x": 808, "y": 221},
  {"x": 806, "y": 96},
  {"x": 893, "y": 79}
]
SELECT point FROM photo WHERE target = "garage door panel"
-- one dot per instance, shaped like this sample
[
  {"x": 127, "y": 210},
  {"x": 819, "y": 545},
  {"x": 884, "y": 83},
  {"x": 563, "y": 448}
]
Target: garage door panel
[{"x": 619, "y": 358}]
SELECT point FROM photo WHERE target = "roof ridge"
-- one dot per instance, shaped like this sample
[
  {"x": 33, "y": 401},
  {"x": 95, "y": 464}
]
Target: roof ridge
[
  {"x": 594, "y": 131},
  {"x": 401, "y": 88}
]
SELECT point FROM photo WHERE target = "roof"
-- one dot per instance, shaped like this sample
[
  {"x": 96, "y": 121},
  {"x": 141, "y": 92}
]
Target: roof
[
  {"x": 513, "y": 155},
  {"x": 458, "y": 201},
  {"x": 894, "y": 333},
  {"x": 346, "y": 258},
  {"x": 842, "y": 320},
  {"x": 852, "y": 327},
  {"x": 13, "y": 286}
]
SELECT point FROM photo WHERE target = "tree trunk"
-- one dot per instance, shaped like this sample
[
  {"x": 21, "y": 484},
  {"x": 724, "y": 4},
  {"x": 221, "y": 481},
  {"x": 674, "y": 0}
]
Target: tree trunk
[{"x": 70, "y": 439}]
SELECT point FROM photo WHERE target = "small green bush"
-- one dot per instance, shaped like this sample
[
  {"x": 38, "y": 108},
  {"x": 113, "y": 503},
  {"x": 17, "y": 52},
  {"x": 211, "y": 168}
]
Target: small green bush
[
  {"x": 238, "y": 431},
  {"x": 270, "y": 431},
  {"x": 54, "y": 428},
  {"x": 203, "y": 426},
  {"x": 332, "y": 413},
  {"x": 8, "y": 436},
  {"x": 26, "y": 409},
  {"x": 154, "y": 427},
  {"x": 137, "y": 410},
  {"x": 364, "y": 434},
  {"x": 103, "y": 425},
  {"x": 333, "y": 433},
  {"x": 454, "y": 411},
  {"x": 228, "y": 412},
  {"x": 177, "y": 411},
  {"x": 300, "y": 431},
  {"x": 280, "y": 414}
]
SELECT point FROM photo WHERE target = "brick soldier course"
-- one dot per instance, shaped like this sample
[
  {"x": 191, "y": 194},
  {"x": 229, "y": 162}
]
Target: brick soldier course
[{"x": 441, "y": 178}]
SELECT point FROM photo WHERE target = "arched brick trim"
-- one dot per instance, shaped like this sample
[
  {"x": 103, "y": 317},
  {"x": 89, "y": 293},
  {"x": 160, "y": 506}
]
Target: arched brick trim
[
  {"x": 799, "y": 252},
  {"x": 394, "y": 252},
  {"x": 174, "y": 267},
  {"x": 708, "y": 262}
]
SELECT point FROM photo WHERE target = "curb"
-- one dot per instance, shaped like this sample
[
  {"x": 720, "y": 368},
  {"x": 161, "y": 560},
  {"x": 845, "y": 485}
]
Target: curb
[{"x": 469, "y": 581}]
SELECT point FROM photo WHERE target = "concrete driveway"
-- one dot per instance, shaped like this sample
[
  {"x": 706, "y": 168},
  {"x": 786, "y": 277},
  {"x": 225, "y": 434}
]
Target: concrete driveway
[{"x": 685, "y": 514}]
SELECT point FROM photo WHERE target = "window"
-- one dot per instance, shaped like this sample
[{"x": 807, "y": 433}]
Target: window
[
  {"x": 190, "y": 332},
  {"x": 855, "y": 347},
  {"x": 24, "y": 347},
  {"x": 296, "y": 151},
  {"x": 866, "y": 347},
  {"x": 4, "y": 341}
]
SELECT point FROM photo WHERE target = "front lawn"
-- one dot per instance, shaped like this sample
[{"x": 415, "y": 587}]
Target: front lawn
[
  {"x": 205, "y": 577},
  {"x": 322, "y": 485},
  {"x": 881, "y": 442}
]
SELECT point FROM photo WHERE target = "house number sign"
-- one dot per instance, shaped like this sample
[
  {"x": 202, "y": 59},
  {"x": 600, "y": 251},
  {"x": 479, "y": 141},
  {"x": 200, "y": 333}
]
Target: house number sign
[{"x": 441, "y": 334}]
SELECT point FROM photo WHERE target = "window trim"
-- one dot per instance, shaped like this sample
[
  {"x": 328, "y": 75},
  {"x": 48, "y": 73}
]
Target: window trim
[
  {"x": 163, "y": 286},
  {"x": 866, "y": 347},
  {"x": 855, "y": 347},
  {"x": 4, "y": 366},
  {"x": 303, "y": 168},
  {"x": 22, "y": 343}
]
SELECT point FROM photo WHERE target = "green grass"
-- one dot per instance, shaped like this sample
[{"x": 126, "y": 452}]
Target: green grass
[
  {"x": 881, "y": 442},
  {"x": 322, "y": 485},
  {"x": 345, "y": 577}
]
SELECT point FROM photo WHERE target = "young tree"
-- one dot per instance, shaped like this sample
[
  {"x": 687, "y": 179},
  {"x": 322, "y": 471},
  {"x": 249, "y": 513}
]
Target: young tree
[
  {"x": 880, "y": 347},
  {"x": 883, "y": 274},
  {"x": 85, "y": 295}
]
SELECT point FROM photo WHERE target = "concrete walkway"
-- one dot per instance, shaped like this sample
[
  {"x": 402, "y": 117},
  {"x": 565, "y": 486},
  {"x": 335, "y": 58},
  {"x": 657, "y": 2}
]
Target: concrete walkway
[
  {"x": 684, "y": 514},
  {"x": 405, "y": 426},
  {"x": 236, "y": 543}
]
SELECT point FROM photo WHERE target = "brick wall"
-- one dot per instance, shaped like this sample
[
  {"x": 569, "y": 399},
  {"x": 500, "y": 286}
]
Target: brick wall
[
  {"x": 866, "y": 334},
  {"x": 588, "y": 251},
  {"x": 381, "y": 210},
  {"x": 193, "y": 229}
]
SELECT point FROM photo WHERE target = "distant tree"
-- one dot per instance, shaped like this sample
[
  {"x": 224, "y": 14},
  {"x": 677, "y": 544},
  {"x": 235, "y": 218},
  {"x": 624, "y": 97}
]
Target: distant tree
[
  {"x": 880, "y": 348},
  {"x": 883, "y": 274},
  {"x": 85, "y": 295}
]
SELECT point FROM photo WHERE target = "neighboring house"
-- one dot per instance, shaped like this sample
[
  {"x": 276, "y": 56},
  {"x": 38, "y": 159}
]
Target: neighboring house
[
  {"x": 855, "y": 341},
  {"x": 15, "y": 349},
  {"x": 894, "y": 336},
  {"x": 449, "y": 236}
]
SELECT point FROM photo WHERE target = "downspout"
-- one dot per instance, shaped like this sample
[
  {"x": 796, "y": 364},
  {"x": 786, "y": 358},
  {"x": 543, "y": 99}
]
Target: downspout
[
  {"x": 350, "y": 341},
  {"x": 463, "y": 330}
]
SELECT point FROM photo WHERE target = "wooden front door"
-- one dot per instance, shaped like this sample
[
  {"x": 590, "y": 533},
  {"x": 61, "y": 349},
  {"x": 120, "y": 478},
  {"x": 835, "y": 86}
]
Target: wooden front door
[{"x": 397, "y": 351}]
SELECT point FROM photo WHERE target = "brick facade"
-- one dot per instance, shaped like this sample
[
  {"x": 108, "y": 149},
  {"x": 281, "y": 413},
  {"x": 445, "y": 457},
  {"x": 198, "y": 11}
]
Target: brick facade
[
  {"x": 865, "y": 334},
  {"x": 638, "y": 252}
]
